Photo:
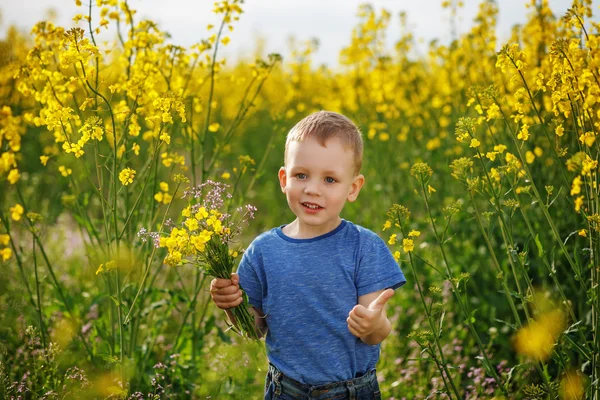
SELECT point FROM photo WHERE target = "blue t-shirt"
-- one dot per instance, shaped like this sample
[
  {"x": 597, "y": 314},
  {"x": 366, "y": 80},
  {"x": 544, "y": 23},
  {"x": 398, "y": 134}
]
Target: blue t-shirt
[{"x": 306, "y": 288}]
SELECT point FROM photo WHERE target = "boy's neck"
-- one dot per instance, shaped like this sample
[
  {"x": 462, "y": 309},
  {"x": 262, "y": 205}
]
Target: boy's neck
[{"x": 298, "y": 230}]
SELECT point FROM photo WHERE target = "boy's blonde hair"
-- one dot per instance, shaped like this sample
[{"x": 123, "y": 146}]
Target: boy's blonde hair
[{"x": 324, "y": 125}]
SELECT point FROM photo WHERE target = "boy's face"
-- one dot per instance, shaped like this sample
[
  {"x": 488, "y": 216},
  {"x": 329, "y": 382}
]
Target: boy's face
[{"x": 317, "y": 181}]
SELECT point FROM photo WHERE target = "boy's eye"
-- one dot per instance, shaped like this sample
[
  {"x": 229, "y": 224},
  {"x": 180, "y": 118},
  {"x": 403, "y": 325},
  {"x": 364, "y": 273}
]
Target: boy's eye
[
  {"x": 329, "y": 180},
  {"x": 301, "y": 176}
]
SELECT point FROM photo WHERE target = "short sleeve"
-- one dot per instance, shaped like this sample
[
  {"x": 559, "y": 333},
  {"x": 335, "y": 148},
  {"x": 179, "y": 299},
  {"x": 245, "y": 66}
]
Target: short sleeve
[
  {"x": 377, "y": 269},
  {"x": 251, "y": 280}
]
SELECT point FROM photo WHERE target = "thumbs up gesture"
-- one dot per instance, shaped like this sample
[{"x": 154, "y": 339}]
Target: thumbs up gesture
[{"x": 364, "y": 322}]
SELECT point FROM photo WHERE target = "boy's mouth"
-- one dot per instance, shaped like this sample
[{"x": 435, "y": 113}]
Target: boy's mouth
[{"x": 311, "y": 206}]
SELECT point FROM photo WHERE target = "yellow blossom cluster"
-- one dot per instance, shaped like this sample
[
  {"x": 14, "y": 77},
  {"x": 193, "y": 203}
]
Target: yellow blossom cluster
[
  {"x": 5, "y": 251},
  {"x": 197, "y": 229},
  {"x": 163, "y": 196}
]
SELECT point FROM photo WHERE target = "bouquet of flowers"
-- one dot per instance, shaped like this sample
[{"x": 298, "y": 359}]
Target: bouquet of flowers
[{"x": 203, "y": 239}]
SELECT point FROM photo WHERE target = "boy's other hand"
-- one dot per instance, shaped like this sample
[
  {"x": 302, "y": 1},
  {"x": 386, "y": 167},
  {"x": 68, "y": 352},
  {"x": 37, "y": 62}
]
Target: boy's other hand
[
  {"x": 363, "y": 321},
  {"x": 226, "y": 293}
]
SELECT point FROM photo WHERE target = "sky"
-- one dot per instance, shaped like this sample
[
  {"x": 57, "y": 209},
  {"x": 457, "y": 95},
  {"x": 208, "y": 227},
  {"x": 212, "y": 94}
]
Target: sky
[{"x": 275, "y": 21}]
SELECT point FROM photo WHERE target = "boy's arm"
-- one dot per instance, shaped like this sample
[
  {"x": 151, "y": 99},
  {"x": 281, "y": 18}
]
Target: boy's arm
[{"x": 368, "y": 320}]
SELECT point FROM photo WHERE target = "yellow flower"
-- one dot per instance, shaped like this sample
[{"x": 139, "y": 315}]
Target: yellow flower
[
  {"x": 537, "y": 339},
  {"x": 474, "y": 143},
  {"x": 164, "y": 186},
  {"x": 13, "y": 176},
  {"x": 392, "y": 239},
  {"x": 201, "y": 214},
  {"x": 4, "y": 240},
  {"x": 396, "y": 255},
  {"x": 430, "y": 189},
  {"x": 538, "y": 151},
  {"x": 158, "y": 197},
  {"x": 126, "y": 176},
  {"x": 214, "y": 127},
  {"x": 64, "y": 171},
  {"x": 16, "y": 212},
  {"x": 217, "y": 225},
  {"x": 529, "y": 157},
  {"x": 186, "y": 212},
  {"x": 225, "y": 40},
  {"x": 6, "y": 253},
  {"x": 491, "y": 155},
  {"x": 500, "y": 148},
  {"x": 588, "y": 165},
  {"x": 408, "y": 245},
  {"x": 191, "y": 223},
  {"x": 173, "y": 259},
  {"x": 572, "y": 386},
  {"x": 559, "y": 130},
  {"x": 200, "y": 240},
  {"x": 226, "y": 175},
  {"x": 588, "y": 138},
  {"x": 165, "y": 137},
  {"x": 387, "y": 225},
  {"x": 136, "y": 149},
  {"x": 582, "y": 232},
  {"x": 414, "y": 233},
  {"x": 576, "y": 186},
  {"x": 578, "y": 203},
  {"x": 44, "y": 160},
  {"x": 524, "y": 132}
]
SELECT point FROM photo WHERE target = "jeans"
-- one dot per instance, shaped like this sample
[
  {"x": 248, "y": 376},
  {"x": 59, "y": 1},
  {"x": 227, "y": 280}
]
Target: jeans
[{"x": 280, "y": 387}]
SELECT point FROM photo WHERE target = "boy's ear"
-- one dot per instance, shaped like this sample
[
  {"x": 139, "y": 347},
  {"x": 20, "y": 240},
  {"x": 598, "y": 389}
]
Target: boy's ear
[
  {"x": 357, "y": 184},
  {"x": 282, "y": 178}
]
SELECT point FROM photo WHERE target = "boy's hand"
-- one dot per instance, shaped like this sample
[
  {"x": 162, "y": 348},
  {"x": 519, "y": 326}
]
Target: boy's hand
[
  {"x": 226, "y": 293},
  {"x": 364, "y": 321}
]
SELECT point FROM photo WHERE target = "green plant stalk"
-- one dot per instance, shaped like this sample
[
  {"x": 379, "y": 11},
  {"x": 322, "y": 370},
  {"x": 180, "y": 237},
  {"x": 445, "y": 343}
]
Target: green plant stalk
[
  {"x": 462, "y": 306},
  {"x": 495, "y": 260},
  {"x": 543, "y": 207},
  {"x": 13, "y": 245},
  {"x": 444, "y": 368},
  {"x": 192, "y": 309},
  {"x": 503, "y": 223},
  {"x": 142, "y": 284},
  {"x": 531, "y": 231},
  {"x": 538, "y": 364},
  {"x": 241, "y": 115},
  {"x": 38, "y": 295},
  {"x": 52, "y": 274},
  {"x": 192, "y": 301},
  {"x": 137, "y": 201},
  {"x": 210, "y": 95}
]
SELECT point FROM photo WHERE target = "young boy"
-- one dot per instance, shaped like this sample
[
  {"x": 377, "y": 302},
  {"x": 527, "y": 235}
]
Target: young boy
[{"x": 319, "y": 284}]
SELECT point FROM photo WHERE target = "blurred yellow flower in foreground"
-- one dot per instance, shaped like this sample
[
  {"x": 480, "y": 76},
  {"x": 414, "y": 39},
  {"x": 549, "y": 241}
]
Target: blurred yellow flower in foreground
[
  {"x": 214, "y": 127},
  {"x": 572, "y": 386},
  {"x": 537, "y": 339}
]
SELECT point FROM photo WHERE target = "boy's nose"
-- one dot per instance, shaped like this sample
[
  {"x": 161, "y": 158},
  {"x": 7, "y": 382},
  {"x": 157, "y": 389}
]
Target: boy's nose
[{"x": 312, "y": 188}]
